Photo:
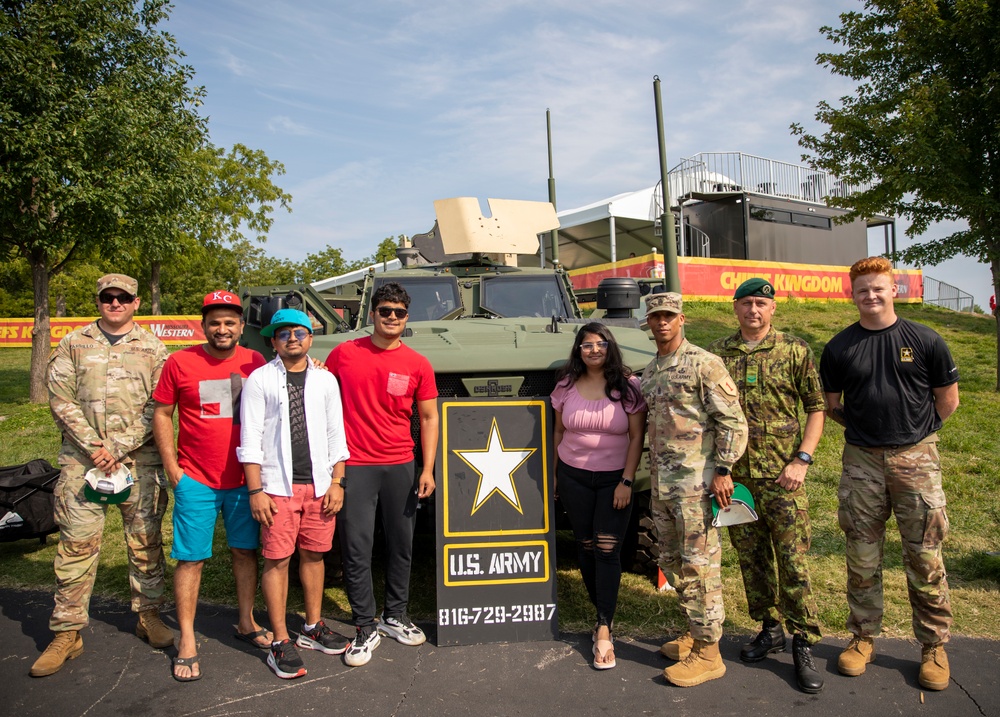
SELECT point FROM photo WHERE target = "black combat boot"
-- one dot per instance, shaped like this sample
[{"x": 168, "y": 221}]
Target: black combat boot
[
  {"x": 806, "y": 675},
  {"x": 770, "y": 639}
]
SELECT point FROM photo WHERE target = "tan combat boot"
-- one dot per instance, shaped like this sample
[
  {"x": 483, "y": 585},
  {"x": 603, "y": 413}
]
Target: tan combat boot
[
  {"x": 934, "y": 670},
  {"x": 64, "y": 646},
  {"x": 853, "y": 660},
  {"x": 704, "y": 663},
  {"x": 152, "y": 629},
  {"x": 679, "y": 648}
]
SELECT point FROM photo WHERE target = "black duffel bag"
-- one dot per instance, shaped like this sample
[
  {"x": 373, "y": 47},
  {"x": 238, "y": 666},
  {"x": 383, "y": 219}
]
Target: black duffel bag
[{"x": 27, "y": 503}]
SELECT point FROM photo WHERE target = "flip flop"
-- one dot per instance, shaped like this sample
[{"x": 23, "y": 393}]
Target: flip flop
[
  {"x": 251, "y": 638},
  {"x": 601, "y": 650},
  {"x": 187, "y": 662}
]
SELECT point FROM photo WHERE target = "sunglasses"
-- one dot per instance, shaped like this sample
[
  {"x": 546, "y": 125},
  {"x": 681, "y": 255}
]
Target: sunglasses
[
  {"x": 107, "y": 297},
  {"x": 594, "y": 346},
  {"x": 285, "y": 334},
  {"x": 386, "y": 311}
]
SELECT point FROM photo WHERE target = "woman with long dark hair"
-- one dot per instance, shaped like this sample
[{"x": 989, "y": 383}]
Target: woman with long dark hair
[{"x": 600, "y": 421}]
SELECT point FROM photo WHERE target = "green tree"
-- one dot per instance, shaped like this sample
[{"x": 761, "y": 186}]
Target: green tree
[
  {"x": 386, "y": 251},
  {"x": 330, "y": 262},
  {"x": 322, "y": 265},
  {"x": 923, "y": 124},
  {"x": 96, "y": 116},
  {"x": 15, "y": 275},
  {"x": 232, "y": 193}
]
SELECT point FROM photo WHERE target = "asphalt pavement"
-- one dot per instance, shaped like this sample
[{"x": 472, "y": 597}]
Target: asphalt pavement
[{"x": 119, "y": 674}]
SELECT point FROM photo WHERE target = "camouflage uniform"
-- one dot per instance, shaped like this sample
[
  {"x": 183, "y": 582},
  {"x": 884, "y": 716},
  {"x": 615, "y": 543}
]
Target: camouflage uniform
[
  {"x": 905, "y": 480},
  {"x": 100, "y": 392},
  {"x": 782, "y": 372},
  {"x": 891, "y": 465},
  {"x": 695, "y": 422}
]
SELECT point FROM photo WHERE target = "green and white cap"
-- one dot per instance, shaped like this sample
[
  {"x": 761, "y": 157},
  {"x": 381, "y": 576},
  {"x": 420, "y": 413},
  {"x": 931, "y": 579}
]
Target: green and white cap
[
  {"x": 740, "y": 511},
  {"x": 109, "y": 489}
]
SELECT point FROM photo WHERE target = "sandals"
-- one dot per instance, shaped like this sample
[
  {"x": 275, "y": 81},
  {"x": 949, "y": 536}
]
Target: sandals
[
  {"x": 187, "y": 662},
  {"x": 601, "y": 650},
  {"x": 251, "y": 638}
]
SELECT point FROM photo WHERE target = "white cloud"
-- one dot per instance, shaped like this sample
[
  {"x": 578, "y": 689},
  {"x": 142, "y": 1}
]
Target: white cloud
[
  {"x": 285, "y": 124},
  {"x": 233, "y": 63}
]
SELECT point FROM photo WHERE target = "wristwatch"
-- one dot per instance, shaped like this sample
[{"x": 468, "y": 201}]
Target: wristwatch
[
  {"x": 627, "y": 482},
  {"x": 342, "y": 482},
  {"x": 722, "y": 470},
  {"x": 804, "y": 457}
]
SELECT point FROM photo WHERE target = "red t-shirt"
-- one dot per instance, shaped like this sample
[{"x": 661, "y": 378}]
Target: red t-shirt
[
  {"x": 377, "y": 387},
  {"x": 208, "y": 413}
]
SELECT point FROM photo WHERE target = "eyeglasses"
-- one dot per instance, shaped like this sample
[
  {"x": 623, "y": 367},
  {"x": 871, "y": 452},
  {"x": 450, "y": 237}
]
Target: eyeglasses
[
  {"x": 285, "y": 334},
  {"x": 107, "y": 297},
  {"x": 386, "y": 311},
  {"x": 589, "y": 346}
]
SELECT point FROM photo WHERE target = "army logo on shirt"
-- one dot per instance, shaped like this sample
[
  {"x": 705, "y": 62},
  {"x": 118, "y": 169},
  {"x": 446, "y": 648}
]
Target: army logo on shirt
[{"x": 906, "y": 354}]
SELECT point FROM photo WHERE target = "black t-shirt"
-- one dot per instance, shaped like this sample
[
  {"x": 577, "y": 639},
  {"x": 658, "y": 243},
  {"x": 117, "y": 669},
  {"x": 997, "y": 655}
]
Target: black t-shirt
[
  {"x": 301, "y": 460},
  {"x": 112, "y": 338},
  {"x": 886, "y": 377}
]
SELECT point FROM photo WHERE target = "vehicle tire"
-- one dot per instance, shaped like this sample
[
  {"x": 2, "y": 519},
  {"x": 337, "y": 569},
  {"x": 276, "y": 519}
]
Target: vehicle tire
[{"x": 641, "y": 548}]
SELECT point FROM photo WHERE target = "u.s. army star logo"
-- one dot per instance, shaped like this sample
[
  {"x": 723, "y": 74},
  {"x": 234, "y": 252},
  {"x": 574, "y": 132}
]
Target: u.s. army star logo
[
  {"x": 495, "y": 466},
  {"x": 905, "y": 354}
]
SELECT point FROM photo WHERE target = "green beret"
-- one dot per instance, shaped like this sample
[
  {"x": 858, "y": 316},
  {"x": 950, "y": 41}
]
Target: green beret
[{"x": 754, "y": 287}]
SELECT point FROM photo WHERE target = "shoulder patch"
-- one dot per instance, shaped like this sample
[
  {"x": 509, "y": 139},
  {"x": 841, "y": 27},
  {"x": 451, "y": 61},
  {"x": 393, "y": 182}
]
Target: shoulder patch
[{"x": 728, "y": 387}]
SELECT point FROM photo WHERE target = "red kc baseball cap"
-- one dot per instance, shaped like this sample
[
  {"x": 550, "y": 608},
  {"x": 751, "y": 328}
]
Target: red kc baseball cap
[{"x": 221, "y": 299}]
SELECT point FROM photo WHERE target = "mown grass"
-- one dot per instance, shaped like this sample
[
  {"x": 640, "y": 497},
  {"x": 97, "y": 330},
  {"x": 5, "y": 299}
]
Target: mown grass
[{"x": 970, "y": 447}]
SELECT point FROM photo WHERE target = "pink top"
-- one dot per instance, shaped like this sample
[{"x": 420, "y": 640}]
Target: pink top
[{"x": 596, "y": 437}]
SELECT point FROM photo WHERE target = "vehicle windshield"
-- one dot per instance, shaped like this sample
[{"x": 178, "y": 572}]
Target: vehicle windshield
[
  {"x": 431, "y": 298},
  {"x": 520, "y": 295}
]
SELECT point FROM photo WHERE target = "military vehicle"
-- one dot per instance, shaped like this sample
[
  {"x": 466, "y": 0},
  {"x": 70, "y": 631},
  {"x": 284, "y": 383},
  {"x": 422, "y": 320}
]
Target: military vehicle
[{"x": 488, "y": 328}]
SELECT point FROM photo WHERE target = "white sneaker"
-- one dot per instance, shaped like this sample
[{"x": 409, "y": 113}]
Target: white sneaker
[
  {"x": 360, "y": 651},
  {"x": 402, "y": 630}
]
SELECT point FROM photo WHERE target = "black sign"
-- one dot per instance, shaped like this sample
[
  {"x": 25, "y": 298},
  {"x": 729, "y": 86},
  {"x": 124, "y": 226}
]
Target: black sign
[{"x": 496, "y": 538}]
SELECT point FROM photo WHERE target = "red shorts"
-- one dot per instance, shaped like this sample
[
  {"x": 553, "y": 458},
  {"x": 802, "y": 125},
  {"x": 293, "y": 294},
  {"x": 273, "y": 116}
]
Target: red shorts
[{"x": 300, "y": 521}]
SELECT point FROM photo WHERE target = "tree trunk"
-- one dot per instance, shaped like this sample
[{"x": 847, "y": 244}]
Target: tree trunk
[
  {"x": 61, "y": 304},
  {"x": 40, "y": 341},
  {"x": 154, "y": 287}
]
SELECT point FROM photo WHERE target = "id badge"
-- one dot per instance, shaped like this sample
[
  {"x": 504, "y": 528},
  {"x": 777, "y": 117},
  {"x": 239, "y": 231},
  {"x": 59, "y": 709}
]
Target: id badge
[{"x": 752, "y": 375}]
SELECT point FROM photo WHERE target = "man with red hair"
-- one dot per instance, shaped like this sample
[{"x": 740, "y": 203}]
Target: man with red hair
[{"x": 891, "y": 383}]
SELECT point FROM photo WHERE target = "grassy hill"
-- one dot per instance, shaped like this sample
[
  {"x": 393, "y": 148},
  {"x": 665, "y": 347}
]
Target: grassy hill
[{"x": 970, "y": 448}]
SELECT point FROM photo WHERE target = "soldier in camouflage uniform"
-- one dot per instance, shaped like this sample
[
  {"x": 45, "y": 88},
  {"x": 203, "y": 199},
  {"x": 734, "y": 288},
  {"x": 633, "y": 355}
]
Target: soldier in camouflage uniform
[
  {"x": 774, "y": 373},
  {"x": 891, "y": 383},
  {"x": 696, "y": 433},
  {"x": 101, "y": 379}
]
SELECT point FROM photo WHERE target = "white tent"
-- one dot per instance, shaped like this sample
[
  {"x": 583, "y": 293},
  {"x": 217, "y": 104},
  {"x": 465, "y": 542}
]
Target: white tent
[{"x": 608, "y": 230}]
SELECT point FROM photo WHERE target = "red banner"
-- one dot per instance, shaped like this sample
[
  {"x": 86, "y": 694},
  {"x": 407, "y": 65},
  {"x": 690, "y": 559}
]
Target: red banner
[
  {"x": 717, "y": 279},
  {"x": 171, "y": 330}
]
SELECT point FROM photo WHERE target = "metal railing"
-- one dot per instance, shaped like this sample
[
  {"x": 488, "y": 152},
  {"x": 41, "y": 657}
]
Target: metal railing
[
  {"x": 695, "y": 241},
  {"x": 719, "y": 172},
  {"x": 946, "y": 296}
]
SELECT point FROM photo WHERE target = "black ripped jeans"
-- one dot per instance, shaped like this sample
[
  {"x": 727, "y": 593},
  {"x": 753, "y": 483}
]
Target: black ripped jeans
[{"x": 588, "y": 498}]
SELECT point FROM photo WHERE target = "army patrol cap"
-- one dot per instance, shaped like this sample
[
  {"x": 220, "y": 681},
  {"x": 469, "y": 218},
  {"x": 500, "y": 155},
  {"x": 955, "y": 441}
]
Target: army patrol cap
[
  {"x": 99, "y": 487},
  {"x": 118, "y": 281},
  {"x": 665, "y": 301},
  {"x": 754, "y": 287}
]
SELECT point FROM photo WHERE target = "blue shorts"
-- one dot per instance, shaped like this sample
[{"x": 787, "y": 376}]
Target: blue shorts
[{"x": 196, "y": 508}]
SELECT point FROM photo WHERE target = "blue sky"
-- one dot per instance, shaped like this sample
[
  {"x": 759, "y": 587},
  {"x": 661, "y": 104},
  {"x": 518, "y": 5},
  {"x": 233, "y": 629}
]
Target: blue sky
[{"x": 378, "y": 108}]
